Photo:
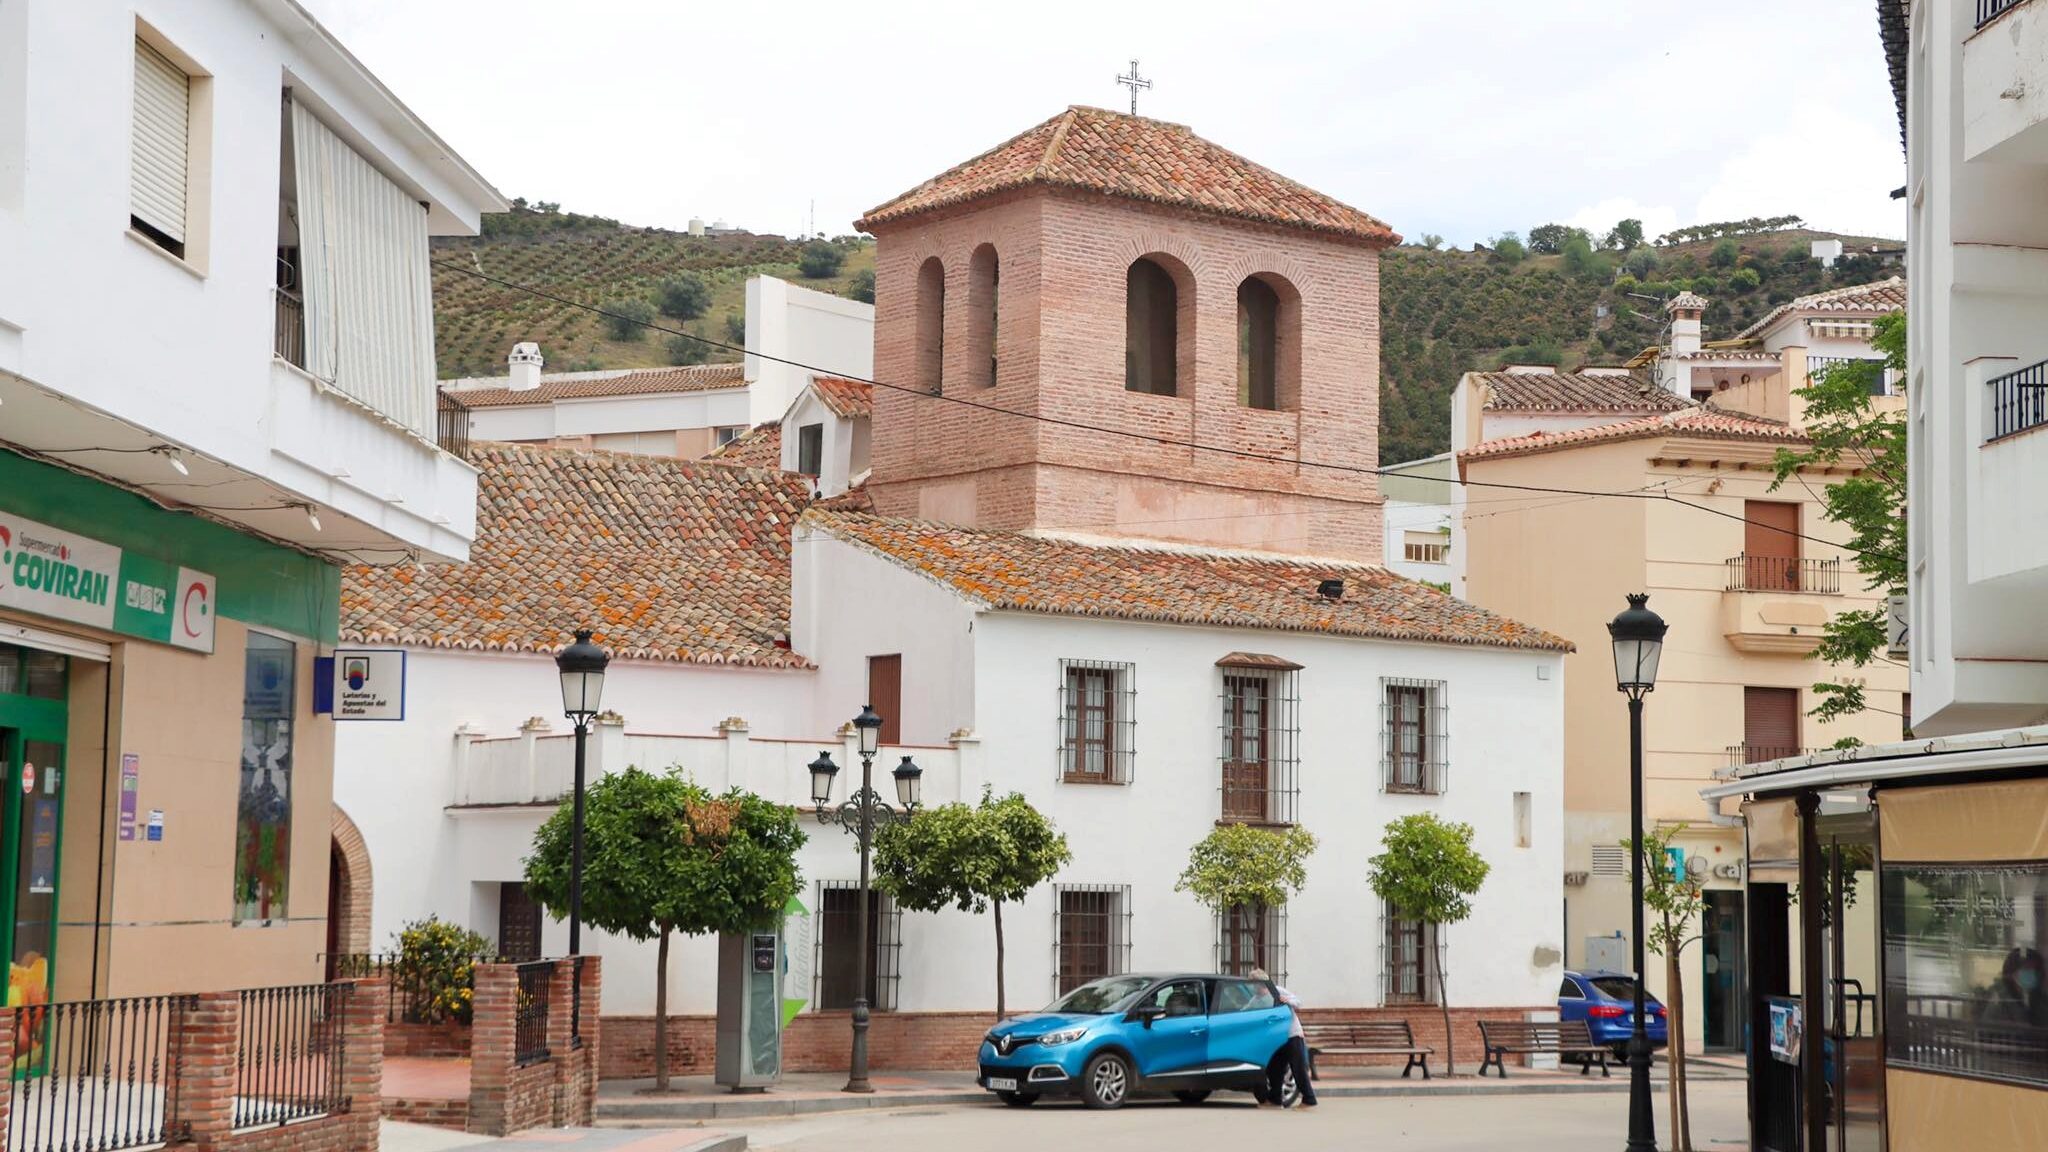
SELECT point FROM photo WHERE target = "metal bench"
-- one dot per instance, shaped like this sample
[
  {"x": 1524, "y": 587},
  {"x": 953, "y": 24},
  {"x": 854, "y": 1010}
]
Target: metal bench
[
  {"x": 1538, "y": 1037},
  {"x": 1366, "y": 1038}
]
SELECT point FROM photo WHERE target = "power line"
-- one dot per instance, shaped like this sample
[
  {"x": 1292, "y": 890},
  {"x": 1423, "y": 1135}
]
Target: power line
[{"x": 1150, "y": 438}]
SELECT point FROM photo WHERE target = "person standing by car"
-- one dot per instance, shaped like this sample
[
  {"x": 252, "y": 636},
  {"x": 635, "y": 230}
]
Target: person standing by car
[{"x": 1295, "y": 1057}]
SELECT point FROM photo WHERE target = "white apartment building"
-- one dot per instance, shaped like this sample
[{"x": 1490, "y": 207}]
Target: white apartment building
[{"x": 1418, "y": 517}]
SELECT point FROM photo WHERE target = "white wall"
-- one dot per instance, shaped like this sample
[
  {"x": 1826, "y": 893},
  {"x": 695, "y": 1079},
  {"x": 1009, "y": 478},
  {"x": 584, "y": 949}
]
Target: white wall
[
  {"x": 1404, "y": 516},
  {"x": 796, "y": 323},
  {"x": 842, "y": 442},
  {"x": 599, "y": 416}
]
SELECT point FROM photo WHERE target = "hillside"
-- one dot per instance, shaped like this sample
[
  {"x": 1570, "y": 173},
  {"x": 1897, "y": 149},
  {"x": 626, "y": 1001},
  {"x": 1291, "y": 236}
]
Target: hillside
[{"x": 597, "y": 261}]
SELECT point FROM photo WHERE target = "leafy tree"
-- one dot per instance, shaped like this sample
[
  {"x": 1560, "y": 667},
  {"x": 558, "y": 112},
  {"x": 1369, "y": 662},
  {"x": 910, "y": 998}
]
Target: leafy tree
[
  {"x": 1745, "y": 279},
  {"x": 1507, "y": 248},
  {"x": 1627, "y": 234},
  {"x": 685, "y": 297},
  {"x": 662, "y": 855},
  {"x": 1431, "y": 241},
  {"x": 1845, "y": 427},
  {"x": 627, "y": 320},
  {"x": 736, "y": 329},
  {"x": 971, "y": 858},
  {"x": 1641, "y": 262},
  {"x": 1245, "y": 867},
  {"x": 1549, "y": 239},
  {"x": 1676, "y": 898},
  {"x": 1579, "y": 257},
  {"x": 1428, "y": 871},
  {"x": 686, "y": 350},
  {"x": 1724, "y": 254},
  {"x": 820, "y": 260},
  {"x": 862, "y": 287}
]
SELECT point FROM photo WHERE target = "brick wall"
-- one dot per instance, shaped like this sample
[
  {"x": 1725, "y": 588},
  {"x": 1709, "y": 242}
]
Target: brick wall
[
  {"x": 452, "y": 1114},
  {"x": 560, "y": 1090},
  {"x": 444, "y": 1039}
]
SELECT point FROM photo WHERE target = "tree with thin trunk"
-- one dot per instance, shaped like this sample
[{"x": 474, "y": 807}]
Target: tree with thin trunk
[
  {"x": 1427, "y": 871},
  {"x": 662, "y": 855},
  {"x": 1677, "y": 899},
  {"x": 970, "y": 857},
  {"x": 1243, "y": 870}
]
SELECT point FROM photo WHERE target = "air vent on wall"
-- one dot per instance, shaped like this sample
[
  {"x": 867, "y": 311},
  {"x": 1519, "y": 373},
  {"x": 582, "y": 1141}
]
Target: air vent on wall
[{"x": 1609, "y": 860}]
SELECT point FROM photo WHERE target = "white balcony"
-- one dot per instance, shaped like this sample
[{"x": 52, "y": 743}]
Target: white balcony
[{"x": 2005, "y": 84}]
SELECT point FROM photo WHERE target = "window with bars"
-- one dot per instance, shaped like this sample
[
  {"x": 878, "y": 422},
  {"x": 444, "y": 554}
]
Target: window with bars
[
  {"x": 1414, "y": 735},
  {"x": 1408, "y": 957},
  {"x": 1249, "y": 936},
  {"x": 838, "y": 945},
  {"x": 1091, "y": 934},
  {"x": 1425, "y": 547},
  {"x": 1098, "y": 721},
  {"x": 1261, "y": 730}
]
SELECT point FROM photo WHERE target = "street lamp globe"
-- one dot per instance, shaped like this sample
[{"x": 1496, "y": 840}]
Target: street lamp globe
[
  {"x": 909, "y": 783},
  {"x": 1638, "y": 636},
  {"x": 870, "y": 727},
  {"x": 822, "y": 772},
  {"x": 582, "y": 667}
]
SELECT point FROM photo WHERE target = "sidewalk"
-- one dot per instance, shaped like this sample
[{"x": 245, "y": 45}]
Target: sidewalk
[{"x": 394, "y": 1136}]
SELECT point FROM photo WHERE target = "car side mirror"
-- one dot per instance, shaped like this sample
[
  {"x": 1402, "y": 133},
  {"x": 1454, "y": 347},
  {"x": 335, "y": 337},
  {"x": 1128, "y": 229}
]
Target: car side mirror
[{"x": 1146, "y": 1014}]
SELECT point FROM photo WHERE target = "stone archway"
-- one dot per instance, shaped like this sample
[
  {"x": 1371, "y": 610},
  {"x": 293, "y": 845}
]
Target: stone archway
[{"x": 348, "y": 898}]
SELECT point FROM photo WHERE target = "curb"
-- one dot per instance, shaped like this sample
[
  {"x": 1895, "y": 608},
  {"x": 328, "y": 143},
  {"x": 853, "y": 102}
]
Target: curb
[{"x": 735, "y": 1143}]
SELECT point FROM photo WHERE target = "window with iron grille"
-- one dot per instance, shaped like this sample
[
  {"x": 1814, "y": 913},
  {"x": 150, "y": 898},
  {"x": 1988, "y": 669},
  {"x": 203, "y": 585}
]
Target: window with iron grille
[
  {"x": 1098, "y": 721},
  {"x": 1261, "y": 730},
  {"x": 1091, "y": 933},
  {"x": 1408, "y": 957},
  {"x": 1415, "y": 735},
  {"x": 1248, "y": 937},
  {"x": 838, "y": 945}
]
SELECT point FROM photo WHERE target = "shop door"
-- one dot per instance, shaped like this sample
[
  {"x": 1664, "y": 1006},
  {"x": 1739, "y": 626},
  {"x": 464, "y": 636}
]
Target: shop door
[
  {"x": 1852, "y": 1064},
  {"x": 1721, "y": 957},
  {"x": 32, "y": 770}
]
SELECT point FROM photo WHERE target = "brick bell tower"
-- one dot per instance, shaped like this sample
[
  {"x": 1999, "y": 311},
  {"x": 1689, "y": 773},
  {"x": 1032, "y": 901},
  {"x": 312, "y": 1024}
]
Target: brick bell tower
[{"x": 1123, "y": 273}]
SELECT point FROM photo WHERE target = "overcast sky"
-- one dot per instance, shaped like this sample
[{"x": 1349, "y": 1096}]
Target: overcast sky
[{"x": 1463, "y": 119}]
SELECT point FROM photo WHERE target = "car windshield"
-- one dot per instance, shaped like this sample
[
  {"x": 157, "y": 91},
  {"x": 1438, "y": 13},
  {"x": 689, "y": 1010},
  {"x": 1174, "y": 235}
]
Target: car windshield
[
  {"x": 1101, "y": 997},
  {"x": 1619, "y": 987}
]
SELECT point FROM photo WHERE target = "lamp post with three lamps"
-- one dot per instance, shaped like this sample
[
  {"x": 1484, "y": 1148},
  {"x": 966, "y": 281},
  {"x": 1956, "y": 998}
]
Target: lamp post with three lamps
[
  {"x": 582, "y": 666},
  {"x": 862, "y": 815},
  {"x": 1638, "y": 636}
]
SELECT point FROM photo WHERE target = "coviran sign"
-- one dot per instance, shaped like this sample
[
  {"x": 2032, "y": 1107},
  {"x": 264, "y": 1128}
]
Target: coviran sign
[{"x": 63, "y": 575}]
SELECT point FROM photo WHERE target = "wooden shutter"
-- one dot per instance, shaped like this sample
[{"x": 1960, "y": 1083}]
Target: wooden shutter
[
  {"x": 519, "y": 918},
  {"x": 161, "y": 143},
  {"x": 885, "y": 695},
  {"x": 1770, "y": 723},
  {"x": 1770, "y": 545}
]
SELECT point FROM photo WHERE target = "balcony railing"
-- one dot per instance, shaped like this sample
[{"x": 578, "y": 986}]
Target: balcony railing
[
  {"x": 1753, "y": 573},
  {"x": 2019, "y": 400},
  {"x": 290, "y": 342},
  {"x": 1884, "y": 383},
  {"x": 451, "y": 424},
  {"x": 1746, "y": 753},
  {"x": 1989, "y": 10}
]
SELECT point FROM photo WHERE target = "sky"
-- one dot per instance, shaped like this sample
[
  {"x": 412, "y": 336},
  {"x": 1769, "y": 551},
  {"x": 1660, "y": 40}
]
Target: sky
[{"x": 1464, "y": 119}]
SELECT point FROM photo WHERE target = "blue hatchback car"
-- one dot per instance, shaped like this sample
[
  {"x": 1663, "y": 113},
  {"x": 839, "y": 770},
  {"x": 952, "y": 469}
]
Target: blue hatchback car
[
  {"x": 1106, "y": 1041},
  {"x": 1606, "y": 1002}
]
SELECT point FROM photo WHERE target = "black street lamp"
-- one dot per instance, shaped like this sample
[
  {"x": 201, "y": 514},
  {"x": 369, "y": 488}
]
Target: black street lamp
[
  {"x": 862, "y": 815},
  {"x": 582, "y": 667},
  {"x": 1638, "y": 636}
]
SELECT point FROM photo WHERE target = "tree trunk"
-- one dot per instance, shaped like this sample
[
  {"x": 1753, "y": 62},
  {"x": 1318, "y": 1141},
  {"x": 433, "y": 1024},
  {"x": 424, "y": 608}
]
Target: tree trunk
[
  {"x": 999, "y": 962},
  {"x": 1681, "y": 1124},
  {"x": 661, "y": 1013},
  {"x": 1443, "y": 999}
]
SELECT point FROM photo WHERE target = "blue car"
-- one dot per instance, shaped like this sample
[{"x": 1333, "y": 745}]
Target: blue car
[
  {"x": 1606, "y": 1002},
  {"x": 1106, "y": 1041}
]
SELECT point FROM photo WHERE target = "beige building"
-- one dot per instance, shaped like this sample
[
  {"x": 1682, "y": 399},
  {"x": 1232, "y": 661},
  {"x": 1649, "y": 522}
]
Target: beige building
[{"x": 1746, "y": 576}]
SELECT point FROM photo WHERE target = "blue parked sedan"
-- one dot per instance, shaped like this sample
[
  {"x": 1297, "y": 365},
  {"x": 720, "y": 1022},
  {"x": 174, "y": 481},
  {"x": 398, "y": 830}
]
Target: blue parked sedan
[
  {"x": 1106, "y": 1041},
  {"x": 1606, "y": 1002}
]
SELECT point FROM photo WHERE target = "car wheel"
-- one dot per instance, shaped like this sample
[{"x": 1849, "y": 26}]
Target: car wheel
[
  {"x": 1018, "y": 1099},
  {"x": 1106, "y": 1081},
  {"x": 1290, "y": 1092},
  {"x": 1192, "y": 1096}
]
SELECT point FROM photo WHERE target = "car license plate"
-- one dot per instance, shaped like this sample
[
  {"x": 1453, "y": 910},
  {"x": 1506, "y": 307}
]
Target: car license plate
[{"x": 1001, "y": 1084}]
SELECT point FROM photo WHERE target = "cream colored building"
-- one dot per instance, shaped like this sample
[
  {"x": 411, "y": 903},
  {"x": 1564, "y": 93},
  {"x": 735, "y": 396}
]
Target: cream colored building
[{"x": 1746, "y": 576}]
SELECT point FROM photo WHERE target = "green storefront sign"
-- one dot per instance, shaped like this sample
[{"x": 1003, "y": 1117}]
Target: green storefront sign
[{"x": 68, "y": 576}]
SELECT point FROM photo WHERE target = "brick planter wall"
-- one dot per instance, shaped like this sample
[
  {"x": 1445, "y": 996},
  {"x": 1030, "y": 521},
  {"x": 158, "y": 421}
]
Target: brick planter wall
[
  {"x": 436, "y": 1040},
  {"x": 560, "y": 1090}
]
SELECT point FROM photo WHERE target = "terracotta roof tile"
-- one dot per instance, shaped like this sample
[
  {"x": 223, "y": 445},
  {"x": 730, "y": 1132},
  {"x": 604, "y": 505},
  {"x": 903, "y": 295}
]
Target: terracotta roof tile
[
  {"x": 854, "y": 499},
  {"x": 1135, "y": 158},
  {"x": 1878, "y": 298},
  {"x": 666, "y": 559},
  {"x": 847, "y": 399},
  {"x": 635, "y": 382},
  {"x": 1696, "y": 423},
  {"x": 1011, "y": 570},
  {"x": 1574, "y": 392},
  {"x": 757, "y": 447}
]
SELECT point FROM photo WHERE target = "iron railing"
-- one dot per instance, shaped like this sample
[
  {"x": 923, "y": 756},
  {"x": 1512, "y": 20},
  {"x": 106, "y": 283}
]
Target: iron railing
[
  {"x": 2019, "y": 400},
  {"x": 1989, "y": 10},
  {"x": 1249, "y": 937},
  {"x": 1415, "y": 735},
  {"x": 1746, "y": 753},
  {"x": 290, "y": 343},
  {"x": 1752, "y": 573},
  {"x": 1091, "y": 933},
  {"x": 530, "y": 1017},
  {"x": 1884, "y": 382},
  {"x": 1098, "y": 721},
  {"x": 1260, "y": 733},
  {"x": 417, "y": 986},
  {"x": 95, "y": 1075},
  {"x": 451, "y": 424},
  {"x": 288, "y": 1062}
]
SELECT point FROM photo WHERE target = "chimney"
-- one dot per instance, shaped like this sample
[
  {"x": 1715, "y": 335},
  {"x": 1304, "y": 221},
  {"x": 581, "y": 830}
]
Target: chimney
[
  {"x": 1685, "y": 310},
  {"x": 525, "y": 365}
]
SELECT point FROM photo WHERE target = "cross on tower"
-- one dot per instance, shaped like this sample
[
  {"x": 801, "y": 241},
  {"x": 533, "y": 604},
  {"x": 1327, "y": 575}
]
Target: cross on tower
[{"x": 1134, "y": 82}]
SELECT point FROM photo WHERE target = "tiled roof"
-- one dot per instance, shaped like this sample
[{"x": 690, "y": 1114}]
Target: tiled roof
[
  {"x": 854, "y": 499},
  {"x": 757, "y": 447},
  {"x": 666, "y": 559},
  {"x": 1018, "y": 572},
  {"x": 1574, "y": 392},
  {"x": 1696, "y": 423},
  {"x": 636, "y": 382},
  {"x": 848, "y": 399},
  {"x": 1136, "y": 158},
  {"x": 1883, "y": 296}
]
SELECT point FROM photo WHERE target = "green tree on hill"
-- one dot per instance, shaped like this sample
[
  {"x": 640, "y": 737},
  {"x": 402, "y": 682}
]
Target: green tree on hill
[
  {"x": 685, "y": 297},
  {"x": 821, "y": 260},
  {"x": 627, "y": 320},
  {"x": 1626, "y": 235}
]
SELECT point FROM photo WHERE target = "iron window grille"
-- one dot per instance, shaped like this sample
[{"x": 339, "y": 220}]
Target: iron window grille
[
  {"x": 1260, "y": 732},
  {"x": 1249, "y": 937},
  {"x": 837, "y": 946},
  {"x": 1408, "y": 960},
  {"x": 1098, "y": 721},
  {"x": 1091, "y": 933},
  {"x": 1415, "y": 737}
]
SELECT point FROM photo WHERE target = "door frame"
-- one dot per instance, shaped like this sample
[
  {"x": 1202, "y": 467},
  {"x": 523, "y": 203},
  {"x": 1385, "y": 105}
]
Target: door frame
[{"x": 25, "y": 719}]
